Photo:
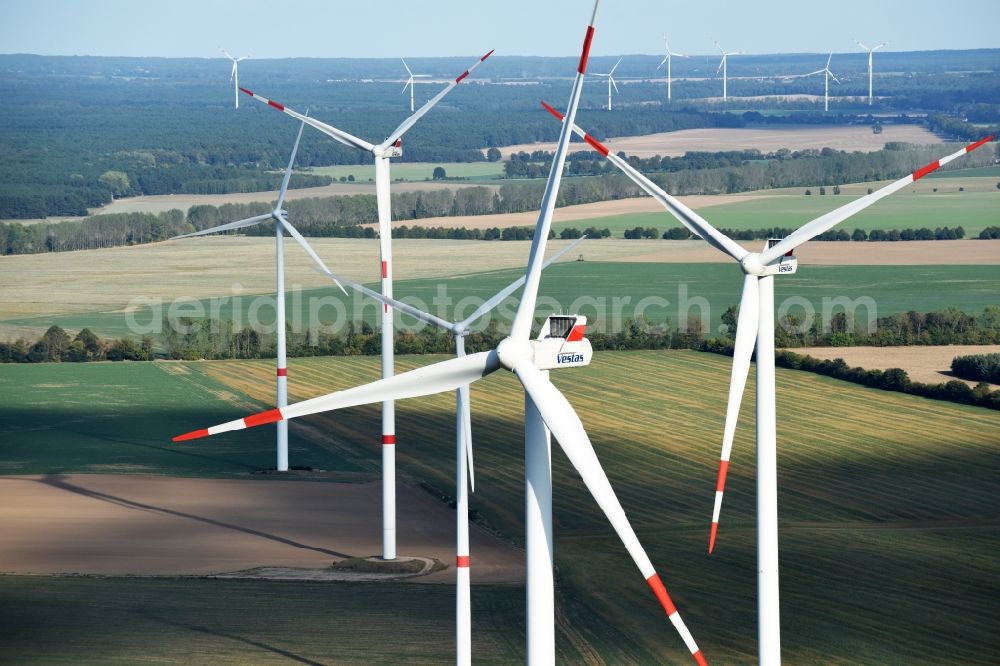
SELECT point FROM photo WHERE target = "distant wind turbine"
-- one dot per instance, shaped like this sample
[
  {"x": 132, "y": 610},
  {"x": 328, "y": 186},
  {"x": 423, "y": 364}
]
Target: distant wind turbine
[
  {"x": 666, "y": 59},
  {"x": 723, "y": 68},
  {"x": 826, "y": 86},
  {"x": 234, "y": 75},
  {"x": 611, "y": 80},
  {"x": 870, "y": 52},
  {"x": 409, "y": 82}
]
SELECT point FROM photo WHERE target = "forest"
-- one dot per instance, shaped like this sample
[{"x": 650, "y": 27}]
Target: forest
[{"x": 87, "y": 129}]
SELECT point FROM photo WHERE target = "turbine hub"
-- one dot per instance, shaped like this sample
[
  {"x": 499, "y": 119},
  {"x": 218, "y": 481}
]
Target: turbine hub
[
  {"x": 511, "y": 351},
  {"x": 752, "y": 265}
]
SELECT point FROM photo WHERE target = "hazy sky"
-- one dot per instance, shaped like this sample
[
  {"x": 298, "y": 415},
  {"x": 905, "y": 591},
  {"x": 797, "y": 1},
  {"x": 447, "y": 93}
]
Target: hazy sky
[{"x": 383, "y": 28}]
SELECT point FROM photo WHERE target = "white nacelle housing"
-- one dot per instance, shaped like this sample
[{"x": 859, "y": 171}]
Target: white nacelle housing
[
  {"x": 786, "y": 265},
  {"x": 560, "y": 343}
]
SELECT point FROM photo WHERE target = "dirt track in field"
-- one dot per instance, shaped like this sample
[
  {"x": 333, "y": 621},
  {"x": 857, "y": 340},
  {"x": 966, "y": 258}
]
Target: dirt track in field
[
  {"x": 161, "y": 526},
  {"x": 924, "y": 364},
  {"x": 675, "y": 144}
]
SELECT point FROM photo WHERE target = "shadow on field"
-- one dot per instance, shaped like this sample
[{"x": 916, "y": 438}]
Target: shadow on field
[
  {"x": 172, "y": 450},
  {"x": 241, "y": 639},
  {"x": 60, "y": 482}
]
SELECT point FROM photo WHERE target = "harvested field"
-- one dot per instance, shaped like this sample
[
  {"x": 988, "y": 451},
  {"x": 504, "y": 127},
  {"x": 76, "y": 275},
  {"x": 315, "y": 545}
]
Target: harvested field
[
  {"x": 923, "y": 363},
  {"x": 161, "y": 526},
  {"x": 676, "y": 144}
]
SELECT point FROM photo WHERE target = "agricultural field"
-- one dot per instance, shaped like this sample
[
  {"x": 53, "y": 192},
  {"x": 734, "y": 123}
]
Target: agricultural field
[
  {"x": 52, "y": 620},
  {"x": 414, "y": 171},
  {"x": 882, "y": 517},
  {"x": 675, "y": 144},
  {"x": 931, "y": 204},
  {"x": 607, "y": 292}
]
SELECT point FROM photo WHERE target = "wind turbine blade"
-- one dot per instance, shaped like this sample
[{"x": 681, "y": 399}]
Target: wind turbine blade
[
  {"x": 293, "y": 232},
  {"x": 613, "y": 83},
  {"x": 232, "y": 72},
  {"x": 467, "y": 433},
  {"x": 662, "y": 63},
  {"x": 721, "y": 63},
  {"x": 616, "y": 66},
  {"x": 409, "y": 82},
  {"x": 409, "y": 122},
  {"x": 833, "y": 77},
  {"x": 239, "y": 224},
  {"x": 746, "y": 338},
  {"x": 288, "y": 171},
  {"x": 400, "y": 306},
  {"x": 333, "y": 132},
  {"x": 526, "y": 309},
  {"x": 226, "y": 53},
  {"x": 501, "y": 295},
  {"x": 862, "y": 45},
  {"x": 818, "y": 71},
  {"x": 828, "y": 221},
  {"x": 719, "y": 46},
  {"x": 690, "y": 219},
  {"x": 562, "y": 420},
  {"x": 883, "y": 44},
  {"x": 437, "y": 378},
  {"x": 828, "y": 59},
  {"x": 407, "y": 68}
]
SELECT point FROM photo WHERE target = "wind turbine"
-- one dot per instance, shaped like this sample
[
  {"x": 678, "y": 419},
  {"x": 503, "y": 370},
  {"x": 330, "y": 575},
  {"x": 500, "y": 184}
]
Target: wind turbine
[
  {"x": 546, "y": 410},
  {"x": 409, "y": 82},
  {"x": 723, "y": 66},
  {"x": 666, "y": 59},
  {"x": 391, "y": 147},
  {"x": 234, "y": 75},
  {"x": 755, "y": 324},
  {"x": 279, "y": 216},
  {"x": 611, "y": 80},
  {"x": 464, "y": 477},
  {"x": 826, "y": 86},
  {"x": 870, "y": 52}
]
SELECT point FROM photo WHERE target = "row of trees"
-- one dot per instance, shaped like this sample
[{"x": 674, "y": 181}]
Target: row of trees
[
  {"x": 943, "y": 327},
  {"x": 56, "y": 345},
  {"x": 977, "y": 367},
  {"x": 893, "y": 379}
]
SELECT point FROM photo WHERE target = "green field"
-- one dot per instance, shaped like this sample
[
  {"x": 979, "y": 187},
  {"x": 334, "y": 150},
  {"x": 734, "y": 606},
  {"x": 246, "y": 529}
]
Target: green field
[
  {"x": 887, "y": 507},
  {"x": 58, "y": 620},
  {"x": 108, "y": 418},
  {"x": 893, "y": 289},
  {"x": 413, "y": 171},
  {"x": 972, "y": 210}
]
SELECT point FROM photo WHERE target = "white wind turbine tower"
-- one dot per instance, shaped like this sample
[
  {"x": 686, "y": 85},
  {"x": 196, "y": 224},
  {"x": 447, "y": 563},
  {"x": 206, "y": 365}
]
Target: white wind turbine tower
[
  {"x": 409, "y": 82},
  {"x": 391, "y": 147},
  {"x": 723, "y": 67},
  {"x": 281, "y": 224},
  {"x": 560, "y": 344},
  {"x": 755, "y": 324},
  {"x": 667, "y": 60},
  {"x": 464, "y": 478},
  {"x": 611, "y": 80},
  {"x": 234, "y": 75},
  {"x": 826, "y": 87},
  {"x": 870, "y": 52}
]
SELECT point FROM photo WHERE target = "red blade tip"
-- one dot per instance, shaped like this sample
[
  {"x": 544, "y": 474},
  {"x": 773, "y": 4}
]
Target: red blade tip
[
  {"x": 194, "y": 434},
  {"x": 246, "y": 91},
  {"x": 487, "y": 55},
  {"x": 699, "y": 658},
  {"x": 552, "y": 111},
  {"x": 711, "y": 538},
  {"x": 661, "y": 594}
]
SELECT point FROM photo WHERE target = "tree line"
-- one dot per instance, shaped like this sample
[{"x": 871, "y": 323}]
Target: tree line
[
  {"x": 977, "y": 367},
  {"x": 56, "y": 345}
]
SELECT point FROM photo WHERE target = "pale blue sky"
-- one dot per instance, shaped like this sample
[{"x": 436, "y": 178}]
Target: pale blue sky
[{"x": 384, "y": 28}]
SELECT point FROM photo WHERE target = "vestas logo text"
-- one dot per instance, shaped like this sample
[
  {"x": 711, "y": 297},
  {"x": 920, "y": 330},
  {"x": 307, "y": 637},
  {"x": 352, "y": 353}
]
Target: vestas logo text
[{"x": 569, "y": 358}]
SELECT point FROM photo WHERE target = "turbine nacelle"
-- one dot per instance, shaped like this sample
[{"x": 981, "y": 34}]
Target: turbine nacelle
[
  {"x": 560, "y": 344},
  {"x": 752, "y": 264}
]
